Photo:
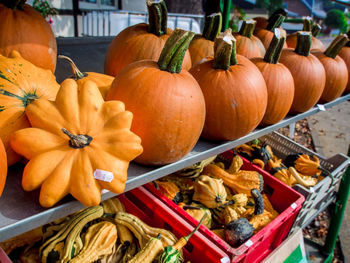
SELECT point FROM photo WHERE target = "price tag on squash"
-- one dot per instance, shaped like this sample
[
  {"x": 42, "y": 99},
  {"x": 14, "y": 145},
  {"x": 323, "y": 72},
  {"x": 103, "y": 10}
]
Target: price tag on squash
[
  {"x": 321, "y": 107},
  {"x": 103, "y": 175}
]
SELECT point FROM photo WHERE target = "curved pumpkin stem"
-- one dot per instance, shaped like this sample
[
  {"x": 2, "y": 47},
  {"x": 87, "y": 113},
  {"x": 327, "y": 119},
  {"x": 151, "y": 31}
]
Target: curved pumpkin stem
[
  {"x": 157, "y": 17},
  {"x": 14, "y": 4},
  {"x": 225, "y": 50},
  {"x": 77, "y": 74},
  {"x": 247, "y": 28},
  {"x": 316, "y": 29},
  {"x": 275, "y": 22},
  {"x": 304, "y": 40},
  {"x": 212, "y": 26},
  {"x": 174, "y": 51},
  {"x": 77, "y": 141},
  {"x": 280, "y": 11},
  {"x": 337, "y": 44},
  {"x": 274, "y": 50},
  {"x": 307, "y": 24}
]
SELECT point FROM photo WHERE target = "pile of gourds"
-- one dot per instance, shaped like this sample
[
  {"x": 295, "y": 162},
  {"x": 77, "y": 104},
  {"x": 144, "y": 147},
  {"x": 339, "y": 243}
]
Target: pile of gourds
[
  {"x": 230, "y": 198},
  {"x": 303, "y": 169},
  {"x": 104, "y": 233},
  {"x": 77, "y": 136}
]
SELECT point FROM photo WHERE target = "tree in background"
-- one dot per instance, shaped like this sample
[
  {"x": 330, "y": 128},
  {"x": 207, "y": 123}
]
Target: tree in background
[
  {"x": 336, "y": 19},
  {"x": 270, "y": 5},
  {"x": 329, "y": 5}
]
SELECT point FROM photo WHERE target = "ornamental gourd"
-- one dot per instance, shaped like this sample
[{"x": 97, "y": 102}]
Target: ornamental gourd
[
  {"x": 308, "y": 26},
  {"x": 3, "y": 167},
  {"x": 141, "y": 41},
  {"x": 167, "y": 102},
  {"x": 202, "y": 46},
  {"x": 21, "y": 83},
  {"x": 25, "y": 30},
  {"x": 234, "y": 90},
  {"x": 78, "y": 144},
  {"x": 249, "y": 45},
  {"x": 102, "y": 81},
  {"x": 336, "y": 70},
  {"x": 307, "y": 71},
  {"x": 266, "y": 34},
  {"x": 345, "y": 55},
  {"x": 279, "y": 81}
]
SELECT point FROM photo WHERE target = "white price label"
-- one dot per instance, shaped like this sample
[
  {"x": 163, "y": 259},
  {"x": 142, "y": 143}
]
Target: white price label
[
  {"x": 249, "y": 243},
  {"x": 104, "y": 191},
  {"x": 312, "y": 190},
  {"x": 103, "y": 175},
  {"x": 321, "y": 107},
  {"x": 294, "y": 205}
]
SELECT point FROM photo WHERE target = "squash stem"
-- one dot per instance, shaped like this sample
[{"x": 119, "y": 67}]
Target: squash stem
[
  {"x": 77, "y": 74},
  {"x": 275, "y": 22},
  {"x": 272, "y": 49},
  {"x": 337, "y": 44},
  {"x": 14, "y": 4},
  {"x": 278, "y": 52},
  {"x": 174, "y": 51},
  {"x": 304, "y": 40},
  {"x": 212, "y": 26},
  {"x": 280, "y": 11},
  {"x": 157, "y": 17},
  {"x": 307, "y": 24},
  {"x": 247, "y": 28},
  {"x": 225, "y": 50},
  {"x": 316, "y": 29},
  {"x": 77, "y": 141}
]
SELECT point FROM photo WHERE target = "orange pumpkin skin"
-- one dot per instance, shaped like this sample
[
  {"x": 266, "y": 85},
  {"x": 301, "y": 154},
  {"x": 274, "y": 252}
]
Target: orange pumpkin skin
[
  {"x": 28, "y": 32},
  {"x": 134, "y": 44},
  {"x": 249, "y": 47},
  {"x": 168, "y": 108},
  {"x": 345, "y": 55},
  {"x": 309, "y": 79},
  {"x": 280, "y": 89},
  {"x": 336, "y": 76},
  {"x": 235, "y": 99},
  {"x": 3, "y": 167},
  {"x": 266, "y": 36},
  {"x": 200, "y": 48},
  {"x": 22, "y": 82},
  {"x": 102, "y": 81},
  {"x": 261, "y": 22},
  {"x": 316, "y": 45}
]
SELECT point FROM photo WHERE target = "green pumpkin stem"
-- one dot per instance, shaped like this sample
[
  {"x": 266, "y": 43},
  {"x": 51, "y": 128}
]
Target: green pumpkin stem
[
  {"x": 212, "y": 26},
  {"x": 280, "y": 11},
  {"x": 14, "y": 4},
  {"x": 275, "y": 22},
  {"x": 157, "y": 17},
  {"x": 307, "y": 24},
  {"x": 247, "y": 28},
  {"x": 225, "y": 50},
  {"x": 274, "y": 50},
  {"x": 174, "y": 51},
  {"x": 316, "y": 29},
  {"x": 337, "y": 44},
  {"x": 304, "y": 40},
  {"x": 77, "y": 74}
]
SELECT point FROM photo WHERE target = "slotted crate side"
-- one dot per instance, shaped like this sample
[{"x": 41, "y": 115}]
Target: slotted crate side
[
  {"x": 267, "y": 239},
  {"x": 141, "y": 203}
]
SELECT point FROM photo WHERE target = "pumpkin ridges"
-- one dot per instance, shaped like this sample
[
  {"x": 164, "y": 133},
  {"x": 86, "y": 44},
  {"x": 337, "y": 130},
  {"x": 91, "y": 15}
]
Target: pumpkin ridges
[{"x": 3, "y": 167}]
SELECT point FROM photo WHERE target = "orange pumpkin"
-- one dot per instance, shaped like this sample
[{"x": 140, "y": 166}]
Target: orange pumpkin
[
  {"x": 247, "y": 44},
  {"x": 78, "y": 144},
  {"x": 141, "y": 41},
  {"x": 345, "y": 55},
  {"x": 202, "y": 46},
  {"x": 167, "y": 102},
  {"x": 102, "y": 81},
  {"x": 307, "y": 71},
  {"x": 234, "y": 91},
  {"x": 3, "y": 167},
  {"x": 336, "y": 70},
  {"x": 25, "y": 30},
  {"x": 315, "y": 30},
  {"x": 20, "y": 84},
  {"x": 279, "y": 81},
  {"x": 266, "y": 34}
]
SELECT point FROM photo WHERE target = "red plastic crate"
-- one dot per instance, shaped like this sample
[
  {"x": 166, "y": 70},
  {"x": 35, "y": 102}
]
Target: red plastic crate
[
  {"x": 286, "y": 201},
  {"x": 141, "y": 203}
]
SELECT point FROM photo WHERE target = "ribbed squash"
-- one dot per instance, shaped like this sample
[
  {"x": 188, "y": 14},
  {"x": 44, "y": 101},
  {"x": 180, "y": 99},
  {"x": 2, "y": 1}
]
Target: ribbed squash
[
  {"x": 79, "y": 144},
  {"x": 21, "y": 83},
  {"x": 209, "y": 191},
  {"x": 198, "y": 211},
  {"x": 170, "y": 190}
]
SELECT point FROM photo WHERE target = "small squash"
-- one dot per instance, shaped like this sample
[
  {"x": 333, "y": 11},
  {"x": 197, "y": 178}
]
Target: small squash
[
  {"x": 238, "y": 231},
  {"x": 3, "y": 167},
  {"x": 209, "y": 191},
  {"x": 78, "y": 144},
  {"x": 305, "y": 164},
  {"x": 258, "y": 201},
  {"x": 170, "y": 190},
  {"x": 196, "y": 169},
  {"x": 197, "y": 212},
  {"x": 149, "y": 252},
  {"x": 102, "y": 81}
]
